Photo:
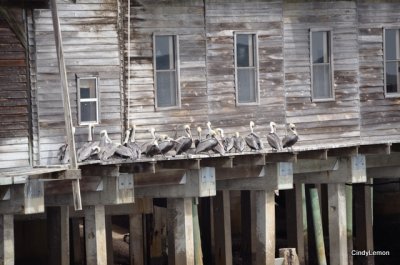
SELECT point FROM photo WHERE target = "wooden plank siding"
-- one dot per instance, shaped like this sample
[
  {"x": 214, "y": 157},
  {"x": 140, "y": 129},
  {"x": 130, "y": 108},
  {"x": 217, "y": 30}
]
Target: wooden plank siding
[
  {"x": 186, "y": 20},
  {"x": 223, "y": 19},
  {"x": 322, "y": 124},
  {"x": 14, "y": 98},
  {"x": 91, "y": 47},
  {"x": 380, "y": 115}
]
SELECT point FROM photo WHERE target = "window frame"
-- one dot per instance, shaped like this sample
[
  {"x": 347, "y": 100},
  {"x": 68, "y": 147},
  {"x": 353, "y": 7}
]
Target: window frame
[
  {"x": 177, "y": 72},
  {"x": 256, "y": 65},
  {"x": 331, "y": 72},
  {"x": 96, "y": 99},
  {"x": 397, "y": 94}
]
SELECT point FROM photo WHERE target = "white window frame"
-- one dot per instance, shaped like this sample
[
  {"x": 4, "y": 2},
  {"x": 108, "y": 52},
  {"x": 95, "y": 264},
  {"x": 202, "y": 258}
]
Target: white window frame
[
  {"x": 397, "y": 94},
  {"x": 177, "y": 72},
  {"x": 332, "y": 98},
  {"x": 256, "y": 66},
  {"x": 96, "y": 99}
]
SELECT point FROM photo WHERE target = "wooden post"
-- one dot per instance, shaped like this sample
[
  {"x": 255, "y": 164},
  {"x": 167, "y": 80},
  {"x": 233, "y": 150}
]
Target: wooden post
[
  {"x": 364, "y": 239},
  {"x": 76, "y": 241},
  {"x": 265, "y": 228},
  {"x": 246, "y": 220},
  {"x": 181, "y": 245},
  {"x": 349, "y": 222},
  {"x": 205, "y": 228},
  {"x": 136, "y": 244},
  {"x": 58, "y": 235},
  {"x": 318, "y": 231},
  {"x": 66, "y": 103},
  {"x": 109, "y": 240},
  {"x": 337, "y": 224},
  {"x": 222, "y": 228},
  {"x": 95, "y": 235},
  {"x": 7, "y": 239},
  {"x": 198, "y": 254}
]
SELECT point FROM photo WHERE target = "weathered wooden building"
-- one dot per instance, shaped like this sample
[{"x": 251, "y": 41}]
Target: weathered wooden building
[{"x": 330, "y": 67}]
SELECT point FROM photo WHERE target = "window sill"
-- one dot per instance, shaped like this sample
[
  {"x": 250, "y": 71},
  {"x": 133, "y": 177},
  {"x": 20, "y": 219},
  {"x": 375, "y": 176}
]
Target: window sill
[
  {"x": 247, "y": 104},
  {"x": 323, "y": 100},
  {"x": 168, "y": 108},
  {"x": 82, "y": 124},
  {"x": 392, "y": 95}
]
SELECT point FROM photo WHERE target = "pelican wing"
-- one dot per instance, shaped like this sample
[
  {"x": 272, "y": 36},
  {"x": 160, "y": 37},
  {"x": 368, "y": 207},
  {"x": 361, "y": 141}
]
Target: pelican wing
[
  {"x": 229, "y": 143},
  {"x": 251, "y": 141},
  {"x": 274, "y": 141},
  {"x": 289, "y": 140},
  {"x": 206, "y": 145},
  {"x": 239, "y": 143}
]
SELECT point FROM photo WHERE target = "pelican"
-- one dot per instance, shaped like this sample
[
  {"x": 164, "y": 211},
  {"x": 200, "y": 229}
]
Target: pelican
[
  {"x": 133, "y": 145},
  {"x": 63, "y": 151},
  {"x": 290, "y": 140},
  {"x": 197, "y": 141},
  {"x": 207, "y": 144},
  {"x": 226, "y": 141},
  {"x": 184, "y": 143},
  {"x": 107, "y": 148},
  {"x": 209, "y": 129},
  {"x": 238, "y": 142},
  {"x": 122, "y": 150},
  {"x": 165, "y": 143},
  {"x": 253, "y": 140},
  {"x": 88, "y": 149},
  {"x": 152, "y": 148},
  {"x": 273, "y": 139}
]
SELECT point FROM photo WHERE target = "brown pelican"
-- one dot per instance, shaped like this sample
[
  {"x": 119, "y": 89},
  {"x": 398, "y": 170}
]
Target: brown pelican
[
  {"x": 88, "y": 149},
  {"x": 197, "y": 141},
  {"x": 226, "y": 141},
  {"x": 133, "y": 145},
  {"x": 253, "y": 140},
  {"x": 165, "y": 143},
  {"x": 63, "y": 151},
  {"x": 107, "y": 148},
  {"x": 273, "y": 139},
  {"x": 152, "y": 148},
  {"x": 238, "y": 142},
  {"x": 291, "y": 139},
  {"x": 184, "y": 143},
  {"x": 209, "y": 144},
  {"x": 209, "y": 129},
  {"x": 124, "y": 151}
]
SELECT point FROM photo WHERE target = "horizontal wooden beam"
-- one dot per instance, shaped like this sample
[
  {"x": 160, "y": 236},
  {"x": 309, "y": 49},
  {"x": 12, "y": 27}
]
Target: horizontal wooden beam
[
  {"x": 217, "y": 162},
  {"x": 383, "y": 149},
  {"x": 249, "y": 160},
  {"x": 175, "y": 176},
  {"x": 309, "y": 166},
  {"x": 280, "y": 157},
  {"x": 313, "y": 154},
  {"x": 343, "y": 151},
  {"x": 384, "y": 172}
]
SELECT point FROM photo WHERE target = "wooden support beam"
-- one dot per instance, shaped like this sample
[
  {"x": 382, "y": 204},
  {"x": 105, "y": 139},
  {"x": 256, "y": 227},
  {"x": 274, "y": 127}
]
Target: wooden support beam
[
  {"x": 58, "y": 235},
  {"x": 280, "y": 157},
  {"x": 140, "y": 167},
  {"x": 313, "y": 154},
  {"x": 383, "y": 160},
  {"x": 337, "y": 224},
  {"x": 265, "y": 228},
  {"x": 205, "y": 228},
  {"x": 77, "y": 246},
  {"x": 7, "y": 253},
  {"x": 198, "y": 252},
  {"x": 179, "y": 164},
  {"x": 222, "y": 228},
  {"x": 249, "y": 160},
  {"x": 136, "y": 239},
  {"x": 246, "y": 221},
  {"x": 217, "y": 162},
  {"x": 109, "y": 240},
  {"x": 95, "y": 235},
  {"x": 375, "y": 149},
  {"x": 349, "y": 222},
  {"x": 310, "y": 166},
  {"x": 318, "y": 230},
  {"x": 100, "y": 171},
  {"x": 180, "y": 235},
  {"x": 343, "y": 151},
  {"x": 273, "y": 176},
  {"x": 196, "y": 183},
  {"x": 363, "y": 217},
  {"x": 170, "y": 177},
  {"x": 384, "y": 172}
]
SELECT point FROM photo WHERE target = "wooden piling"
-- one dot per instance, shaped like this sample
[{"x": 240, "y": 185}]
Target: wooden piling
[
  {"x": 95, "y": 235},
  {"x": 222, "y": 228},
  {"x": 318, "y": 231},
  {"x": 136, "y": 243},
  {"x": 58, "y": 235},
  {"x": 7, "y": 253},
  {"x": 349, "y": 222}
]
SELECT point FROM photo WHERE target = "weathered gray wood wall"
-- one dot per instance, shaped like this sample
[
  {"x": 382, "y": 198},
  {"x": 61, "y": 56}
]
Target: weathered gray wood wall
[
  {"x": 91, "y": 46},
  {"x": 14, "y": 98},
  {"x": 380, "y": 115},
  {"x": 223, "y": 19},
  {"x": 182, "y": 18},
  {"x": 322, "y": 123}
]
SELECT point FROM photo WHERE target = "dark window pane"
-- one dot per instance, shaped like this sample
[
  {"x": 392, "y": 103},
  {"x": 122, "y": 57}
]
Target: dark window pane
[
  {"x": 165, "y": 49},
  {"x": 321, "y": 81},
  {"x": 390, "y": 44},
  {"x": 245, "y": 50},
  {"x": 88, "y": 111},
  {"x": 166, "y": 89},
  {"x": 320, "y": 47},
  {"x": 246, "y": 85},
  {"x": 87, "y": 88},
  {"x": 391, "y": 77}
]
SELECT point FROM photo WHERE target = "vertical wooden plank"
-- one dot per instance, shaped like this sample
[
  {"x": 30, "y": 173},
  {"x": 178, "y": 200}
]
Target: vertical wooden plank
[
  {"x": 253, "y": 216},
  {"x": 76, "y": 241},
  {"x": 58, "y": 235},
  {"x": 265, "y": 228},
  {"x": 205, "y": 228},
  {"x": 109, "y": 238},
  {"x": 246, "y": 246},
  {"x": 337, "y": 224},
  {"x": 222, "y": 228},
  {"x": 95, "y": 235},
  {"x": 180, "y": 216},
  {"x": 349, "y": 222},
  {"x": 136, "y": 250},
  {"x": 198, "y": 253},
  {"x": 7, "y": 240},
  {"x": 318, "y": 231}
]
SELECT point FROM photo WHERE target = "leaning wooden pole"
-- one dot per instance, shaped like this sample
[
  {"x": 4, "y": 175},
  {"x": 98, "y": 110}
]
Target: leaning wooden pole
[
  {"x": 319, "y": 235},
  {"x": 73, "y": 163}
]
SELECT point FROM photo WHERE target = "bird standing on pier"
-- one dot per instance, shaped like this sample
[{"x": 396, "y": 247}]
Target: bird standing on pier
[
  {"x": 238, "y": 143},
  {"x": 165, "y": 144},
  {"x": 63, "y": 151},
  {"x": 227, "y": 142},
  {"x": 292, "y": 138},
  {"x": 107, "y": 148},
  {"x": 184, "y": 143},
  {"x": 209, "y": 144},
  {"x": 133, "y": 145},
  {"x": 197, "y": 141},
  {"x": 273, "y": 139},
  {"x": 253, "y": 140},
  {"x": 89, "y": 148},
  {"x": 152, "y": 148},
  {"x": 122, "y": 150}
]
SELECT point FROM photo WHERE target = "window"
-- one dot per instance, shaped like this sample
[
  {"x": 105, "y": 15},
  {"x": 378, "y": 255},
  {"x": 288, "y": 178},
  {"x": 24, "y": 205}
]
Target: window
[
  {"x": 88, "y": 94},
  {"x": 321, "y": 65},
  {"x": 392, "y": 59},
  {"x": 166, "y": 71},
  {"x": 246, "y": 67}
]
